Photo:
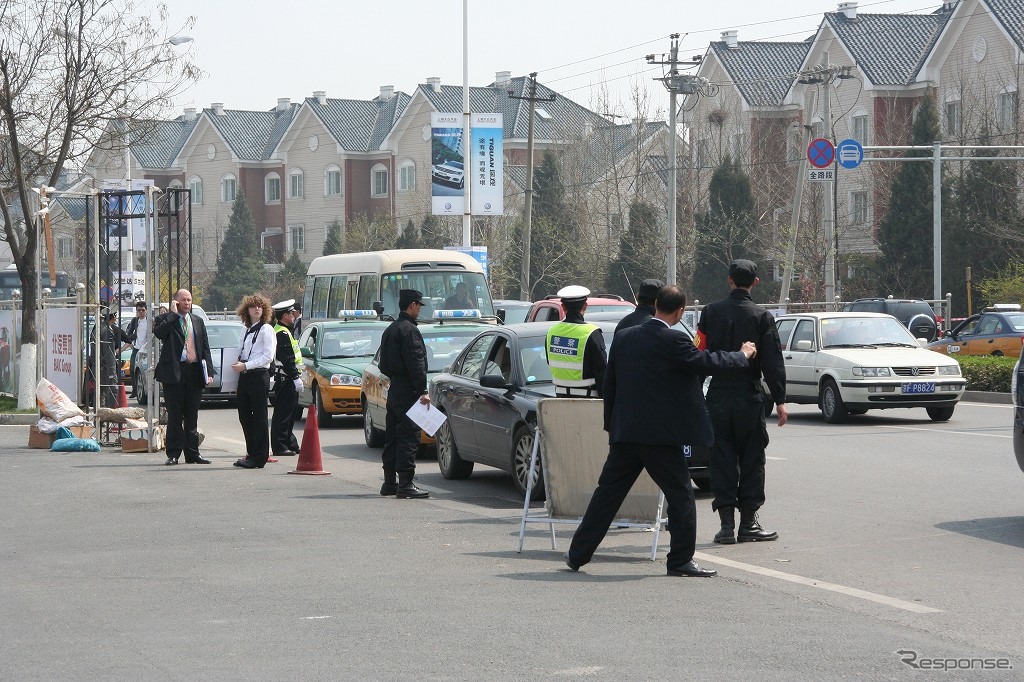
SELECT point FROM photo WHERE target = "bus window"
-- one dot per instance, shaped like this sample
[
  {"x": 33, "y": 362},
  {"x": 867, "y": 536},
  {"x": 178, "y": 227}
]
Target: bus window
[
  {"x": 337, "y": 299},
  {"x": 353, "y": 290},
  {"x": 368, "y": 294},
  {"x": 321, "y": 289},
  {"x": 307, "y": 297}
]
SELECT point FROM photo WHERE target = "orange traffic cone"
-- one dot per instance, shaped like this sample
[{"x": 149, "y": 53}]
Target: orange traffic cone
[
  {"x": 309, "y": 452},
  {"x": 122, "y": 396}
]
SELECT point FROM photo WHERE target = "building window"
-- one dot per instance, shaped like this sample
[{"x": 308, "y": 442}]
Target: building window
[
  {"x": 65, "y": 247},
  {"x": 195, "y": 186},
  {"x": 379, "y": 181},
  {"x": 295, "y": 184},
  {"x": 952, "y": 116},
  {"x": 1006, "y": 111},
  {"x": 228, "y": 188},
  {"x": 332, "y": 181},
  {"x": 407, "y": 176},
  {"x": 859, "y": 128},
  {"x": 858, "y": 208},
  {"x": 297, "y": 238},
  {"x": 272, "y": 192}
]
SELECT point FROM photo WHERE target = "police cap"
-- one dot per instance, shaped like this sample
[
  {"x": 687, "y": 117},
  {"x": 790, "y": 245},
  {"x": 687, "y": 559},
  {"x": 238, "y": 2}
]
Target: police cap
[
  {"x": 743, "y": 272},
  {"x": 573, "y": 294},
  {"x": 284, "y": 306},
  {"x": 407, "y": 296}
]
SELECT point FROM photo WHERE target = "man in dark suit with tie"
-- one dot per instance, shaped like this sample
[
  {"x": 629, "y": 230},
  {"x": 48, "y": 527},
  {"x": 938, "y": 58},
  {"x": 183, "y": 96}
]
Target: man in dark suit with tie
[
  {"x": 653, "y": 406},
  {"x": 185, "y": 348}
]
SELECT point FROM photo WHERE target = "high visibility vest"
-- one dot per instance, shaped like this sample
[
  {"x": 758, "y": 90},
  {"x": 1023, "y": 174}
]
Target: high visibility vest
[
  {"x": 566, "y": 344},
  {"x": 278, "y": 328}
]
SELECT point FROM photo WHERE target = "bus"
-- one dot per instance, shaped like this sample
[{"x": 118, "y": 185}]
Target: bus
[
  {"x": 355, "y": 281},
  {"x": 10, "y": 281}
]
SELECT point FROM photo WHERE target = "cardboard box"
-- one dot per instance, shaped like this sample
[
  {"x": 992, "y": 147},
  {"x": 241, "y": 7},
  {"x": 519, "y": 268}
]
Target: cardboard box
[
  {"x": 137, "y": 440},
  {"x": 43, "y": 441}
]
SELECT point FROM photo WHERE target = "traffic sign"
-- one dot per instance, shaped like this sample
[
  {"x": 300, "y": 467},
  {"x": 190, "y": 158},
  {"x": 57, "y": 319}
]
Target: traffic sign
[
  {"x": 850, "y": 153},
  {"x": 821, "y": 153},
  {"x": 821, "y": 175}
]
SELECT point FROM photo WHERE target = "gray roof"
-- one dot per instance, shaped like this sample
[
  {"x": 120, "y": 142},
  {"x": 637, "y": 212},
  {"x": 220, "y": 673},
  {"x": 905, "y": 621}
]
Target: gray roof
[
  {"x": 610, "y": 145},
  {"x": 155, "y": 144},
  {"x": 360, "y": 125},
  {"x": 1010, "y": 13},
  {"x": 888, "y": 49},
  {"x": 252, "y": 135},
  {"x": 567, "y": 118},
  {"x": 762, "y": 72}
]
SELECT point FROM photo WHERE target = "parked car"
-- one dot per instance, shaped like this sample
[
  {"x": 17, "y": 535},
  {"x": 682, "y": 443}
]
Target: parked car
[
  {"x": 490, "y": 396},
  {"x": 549, "y": 309},
  {"x": 1017, "y": 393},
  {"x": 334, "y": 355},
  {"x": 449, "y": 173},
  {"x": 914, "y": 314},
  {"x": 849, "y": 363},
  {"x": 998, "y": 330},
  {"x": 512, "y": 312},
  {"x": 444, "y": 341},
  {"x": 222, "y": 335}
]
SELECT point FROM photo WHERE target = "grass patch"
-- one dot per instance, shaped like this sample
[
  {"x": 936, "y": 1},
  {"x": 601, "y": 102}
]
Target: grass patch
[{"x": 9, "y": 405}]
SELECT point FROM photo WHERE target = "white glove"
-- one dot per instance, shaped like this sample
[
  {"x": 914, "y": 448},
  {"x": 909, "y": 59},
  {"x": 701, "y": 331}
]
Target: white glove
[{"x": 298, "y": 385}]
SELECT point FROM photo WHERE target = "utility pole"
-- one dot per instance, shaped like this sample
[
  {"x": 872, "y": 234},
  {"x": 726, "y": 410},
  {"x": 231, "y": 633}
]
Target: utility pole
[
  {"x": 524, "y": 279},
  {"x": 675, "y": 83}
]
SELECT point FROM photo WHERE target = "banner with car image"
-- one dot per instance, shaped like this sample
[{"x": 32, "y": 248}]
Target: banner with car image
[
  {"x": 488, "y": 193},
  {"x": 447, "y": 170}
]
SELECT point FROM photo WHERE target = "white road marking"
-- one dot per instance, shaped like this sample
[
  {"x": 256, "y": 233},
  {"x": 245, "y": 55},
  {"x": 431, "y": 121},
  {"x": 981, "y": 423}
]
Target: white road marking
[
  {"x": 228, "y": 440},
  {"x": 315, "y": 617},
  {"x": 777, "y": 459},
  {"x": 811, "y": 582},
  {"x": 959, "y": 433}
]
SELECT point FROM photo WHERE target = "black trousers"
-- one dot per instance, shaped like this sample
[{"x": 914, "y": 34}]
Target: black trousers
[
  {"x": 401, "y": 434},
  {"x": 182, "y": 400},
  {"x": 737, "y": 457},
  {"x": 666, "y": 464},
  {"x": 285, "y": 402},
  {"x": 253, "y": 389}
]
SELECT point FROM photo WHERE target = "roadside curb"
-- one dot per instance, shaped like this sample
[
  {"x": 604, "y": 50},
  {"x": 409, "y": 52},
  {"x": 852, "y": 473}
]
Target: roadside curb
[
  {"x": 987, "y": 397},
  {"x": 9, "y": 419}
]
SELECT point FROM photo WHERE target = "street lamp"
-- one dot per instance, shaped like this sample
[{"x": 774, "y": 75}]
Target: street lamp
[{"x": 179, "y": 40}]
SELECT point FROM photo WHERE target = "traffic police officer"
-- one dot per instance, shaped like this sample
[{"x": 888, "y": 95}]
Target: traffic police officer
[
  {"x": 575, "y": 349},
  {"x": 736, "y": 404},
  {"x": 287, "y": 368}
]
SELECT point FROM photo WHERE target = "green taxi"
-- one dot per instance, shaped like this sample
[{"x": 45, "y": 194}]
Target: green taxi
[{"x": 334, "y": 354}]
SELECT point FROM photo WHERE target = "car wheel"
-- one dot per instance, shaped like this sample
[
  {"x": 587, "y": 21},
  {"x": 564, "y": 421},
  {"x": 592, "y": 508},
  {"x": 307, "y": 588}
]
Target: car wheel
[
  {"x": 857, "y": 412},
  {"x": 997, "y": 353},
  {"x": 702, "y": 484},
  {"x": 522, "y": 448},
  {"x": 140, "y": 390},
  {"x": 323, "y": 417},
  {"x": 451, "y": 465},
  {"x": 374, "y": 436},
  {"x": 940, "y": 414},
  {"x": 832, "y": 407}
]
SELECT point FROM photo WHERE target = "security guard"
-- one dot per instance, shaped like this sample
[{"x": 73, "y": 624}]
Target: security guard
[
  {"x": 736, "y": 404},
  {"x": 287, "y": 368},
  {"x": 645, "y": 297},
  {"x": 575, "y": 349}
]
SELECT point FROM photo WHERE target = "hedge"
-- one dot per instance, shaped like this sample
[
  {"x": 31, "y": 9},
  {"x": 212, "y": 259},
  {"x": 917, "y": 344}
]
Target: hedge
[{"x": 987, "y": 372}]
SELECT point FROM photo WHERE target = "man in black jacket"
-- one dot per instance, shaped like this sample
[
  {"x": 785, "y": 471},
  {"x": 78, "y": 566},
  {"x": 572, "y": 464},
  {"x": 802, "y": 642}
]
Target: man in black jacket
[
  {"x": 403, "y": 359},
  {"x": 653, "y": 406},
  {"x": 288, "y": 368},
  {"x": 645, "y": 297},
  {"x": 736, "y": 403}
]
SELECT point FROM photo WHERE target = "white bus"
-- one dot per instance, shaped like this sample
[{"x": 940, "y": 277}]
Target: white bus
[{"x": 355, "y": 281}]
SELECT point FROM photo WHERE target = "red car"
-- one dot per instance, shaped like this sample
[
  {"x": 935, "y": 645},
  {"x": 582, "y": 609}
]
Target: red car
[{"x": 550, "y": 309}]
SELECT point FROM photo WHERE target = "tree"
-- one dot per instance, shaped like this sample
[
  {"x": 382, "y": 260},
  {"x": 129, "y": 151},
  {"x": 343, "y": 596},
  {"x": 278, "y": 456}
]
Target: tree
[
  {"x": 905, "y": 233},
  {"x": 334, "y": 242},
  {"x": 240, "y": 270},
  {"x": 68, "y": 69},
  {"x": 369, "y": 233},
  {"x": 291, "y": 280},
  {"x": 725, "y": 230},
  {"x": 409, "y": 239},
  {"x": 641, "y": 253}
]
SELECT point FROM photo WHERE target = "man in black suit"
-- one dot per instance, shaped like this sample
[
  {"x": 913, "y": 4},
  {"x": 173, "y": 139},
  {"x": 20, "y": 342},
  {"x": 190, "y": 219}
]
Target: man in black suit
[
  {"x": 185, "y": 348},
  {"x": 645, "y": 296},
  {"x": 653, "y": 406}
]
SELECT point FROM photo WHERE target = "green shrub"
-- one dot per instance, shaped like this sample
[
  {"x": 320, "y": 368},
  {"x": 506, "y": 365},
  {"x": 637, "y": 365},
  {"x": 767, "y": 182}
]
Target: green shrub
[{"x": 987, "y": 372}]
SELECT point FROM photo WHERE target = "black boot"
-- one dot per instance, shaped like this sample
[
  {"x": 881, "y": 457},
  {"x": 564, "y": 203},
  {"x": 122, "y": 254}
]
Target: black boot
[
  {"x": 390, "y": 486},
  {"x": 727, "y": 536},
  {"x": 407, "y": 489},
  {"x": 751, "y": 530}
]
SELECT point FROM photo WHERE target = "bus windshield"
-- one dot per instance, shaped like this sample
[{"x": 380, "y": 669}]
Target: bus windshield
[{"x": 441, "y": 290}]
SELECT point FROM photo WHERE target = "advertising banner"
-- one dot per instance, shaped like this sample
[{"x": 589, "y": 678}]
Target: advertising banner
[
  {"x": 447, "y": 169},
  {"x": 477, "y": 253},
  {"x": 128, "y": 286},
  {"x": 125, "y": 215},
  {"x": 62, "y": 365},
  {"x": 10, "y": 332},
  {"x": 486, "y": 169}
]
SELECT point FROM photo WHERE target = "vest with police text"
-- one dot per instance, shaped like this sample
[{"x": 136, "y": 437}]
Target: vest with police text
[
  {"x": 566, "y": 343},
  {"x": 278, "y": 328}
]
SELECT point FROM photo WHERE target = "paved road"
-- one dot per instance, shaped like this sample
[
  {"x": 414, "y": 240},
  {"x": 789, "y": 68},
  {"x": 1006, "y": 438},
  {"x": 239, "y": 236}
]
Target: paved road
[{"x": 897, "y": 534}]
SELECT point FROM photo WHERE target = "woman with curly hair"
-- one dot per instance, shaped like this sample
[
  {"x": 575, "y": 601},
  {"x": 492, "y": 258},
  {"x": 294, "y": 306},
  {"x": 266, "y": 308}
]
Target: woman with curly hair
[{"x": 253, "y": 366}]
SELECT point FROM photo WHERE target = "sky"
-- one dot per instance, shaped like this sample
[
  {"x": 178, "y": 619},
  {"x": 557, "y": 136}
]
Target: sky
[{"x": 257, "y": 51}]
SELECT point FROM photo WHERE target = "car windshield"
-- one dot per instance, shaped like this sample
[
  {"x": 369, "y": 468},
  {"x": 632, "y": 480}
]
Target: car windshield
[
  {"x": 515, "y": 312},
  {"x": 442, "y": 290},
  {"x": 225, "y": 335},
  {"x": 1017, "y": 321},
  {"x": 350, "y": 343},
  {"x": 598, "y": 308},
  {"x": 864, "y": 332},
  {"x": 443, "y": 346}
]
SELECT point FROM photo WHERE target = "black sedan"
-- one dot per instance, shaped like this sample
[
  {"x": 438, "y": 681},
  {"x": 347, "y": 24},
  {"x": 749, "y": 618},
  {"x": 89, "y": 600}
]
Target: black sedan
[
  {"x": 490, "y": 395},
  {"x": 1017, "y": 392}
]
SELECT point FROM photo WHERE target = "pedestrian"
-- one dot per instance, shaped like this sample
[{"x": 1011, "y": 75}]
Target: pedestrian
[
  {"x": 736, "y": 403},
  {"x": 253, "y": 366},
  {"x": 403, "y": 358},
  {"x": 575, "y": 349},
  {"x": 112, "y": 340},
  {"x": 645, "y": 296},
  {"x": 136, "y": 337},
  {"x": 287, "y": 369},
  {"x": 297, "y": 325},
  {"x": 653, "y": 406},
  {"x": 185, "y": 349}
]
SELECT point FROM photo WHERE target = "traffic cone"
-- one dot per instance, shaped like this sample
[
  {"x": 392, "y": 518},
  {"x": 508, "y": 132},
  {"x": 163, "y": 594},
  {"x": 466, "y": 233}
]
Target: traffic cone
[
  {"x": 122, "y": 396},
  {"x": 309, "y": 452}
]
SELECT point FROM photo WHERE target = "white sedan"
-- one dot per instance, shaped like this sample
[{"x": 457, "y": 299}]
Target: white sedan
[{"x": 849, "y": 363}]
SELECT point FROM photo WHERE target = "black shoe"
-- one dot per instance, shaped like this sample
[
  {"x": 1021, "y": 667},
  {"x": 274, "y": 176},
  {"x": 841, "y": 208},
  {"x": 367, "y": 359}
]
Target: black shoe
[
  {"x": 569, "y": 562},
  {"x": 287, "y": 453},
  {"x": 691, "y": 570},
  {"x": 248, "y": 464},
  {"x": 198, "y": 460},
  {"x": 727, "y": 535},
  {"x": 388, "y": 489},
  {"x": 171, "y": 461},
  {"x": 409, "y": 491},
  {"x": 751, "y": 531}
]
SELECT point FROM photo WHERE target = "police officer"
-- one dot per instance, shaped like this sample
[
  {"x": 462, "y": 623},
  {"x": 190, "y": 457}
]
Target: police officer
[
  {"x": 287, "y": 370},
  {"x": 403, "y": 359},
  {"x": 735, "y": 402},
  {"x": 645, "y": 297},
  {"x": 575, "y": 349}
]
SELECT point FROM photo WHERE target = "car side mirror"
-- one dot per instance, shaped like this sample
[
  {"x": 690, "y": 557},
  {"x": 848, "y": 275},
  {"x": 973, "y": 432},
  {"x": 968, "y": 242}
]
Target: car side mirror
[
  {"x": 306, "y": 351},
  {"x": 500, "y": 314},
  {"x": 494, "y": 381},
  {"x": 803, "y": 344}
]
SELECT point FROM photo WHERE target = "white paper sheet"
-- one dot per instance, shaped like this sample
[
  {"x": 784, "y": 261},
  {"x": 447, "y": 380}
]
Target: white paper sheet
[{"x": 426, "y": 417}]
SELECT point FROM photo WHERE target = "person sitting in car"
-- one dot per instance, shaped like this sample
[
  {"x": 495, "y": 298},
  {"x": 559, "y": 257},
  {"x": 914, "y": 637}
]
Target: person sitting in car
[{"x": 460, "y": 299}]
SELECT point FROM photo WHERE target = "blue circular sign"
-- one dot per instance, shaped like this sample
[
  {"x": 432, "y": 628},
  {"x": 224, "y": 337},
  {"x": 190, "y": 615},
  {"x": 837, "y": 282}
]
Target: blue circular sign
[
  {"x": 821, "y": 153},
  {"x": 850, "y": 153}
]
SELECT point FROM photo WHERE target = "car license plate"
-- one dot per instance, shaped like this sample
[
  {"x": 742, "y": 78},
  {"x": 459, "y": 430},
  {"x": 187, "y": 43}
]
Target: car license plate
[{"x": 918, "y": 387}]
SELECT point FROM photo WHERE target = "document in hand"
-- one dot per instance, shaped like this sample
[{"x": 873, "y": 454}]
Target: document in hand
[{"x": 426, "y": 417}]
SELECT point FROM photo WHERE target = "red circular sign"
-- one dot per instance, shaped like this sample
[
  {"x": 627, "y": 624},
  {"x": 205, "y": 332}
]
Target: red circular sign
[{"x": 821, "y": 153}]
